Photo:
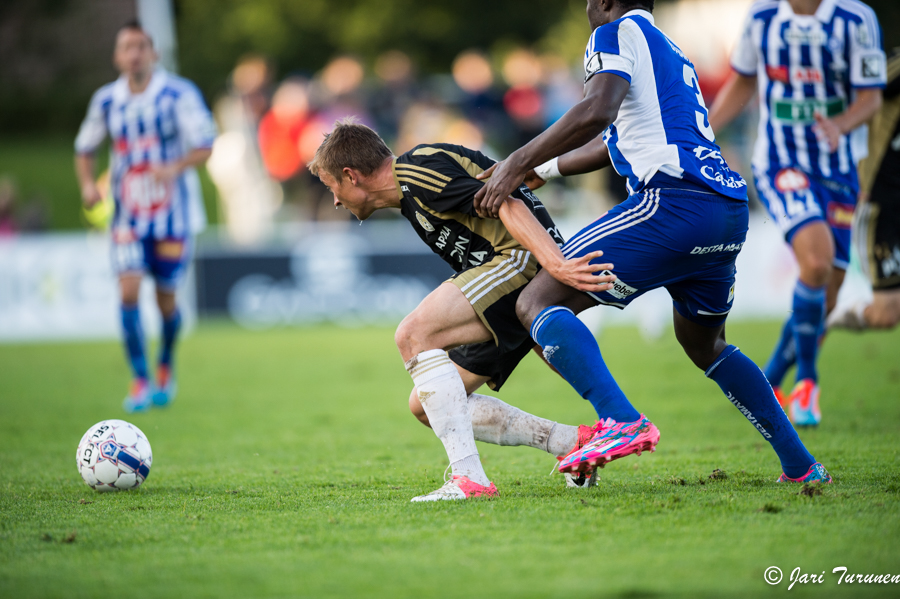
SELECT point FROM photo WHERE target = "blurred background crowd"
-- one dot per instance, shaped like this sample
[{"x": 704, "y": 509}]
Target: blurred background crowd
[{"x": 278, "y": 73}]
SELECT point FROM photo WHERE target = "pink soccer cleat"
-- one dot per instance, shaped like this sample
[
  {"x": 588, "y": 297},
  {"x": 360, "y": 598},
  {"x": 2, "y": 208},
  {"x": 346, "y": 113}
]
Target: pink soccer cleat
[
  {"x": 815, "y": 474},
  {"x": 458, "y": 487},
  {"x": 613, "y": 440},
  {"x": 588, "y": 478}
]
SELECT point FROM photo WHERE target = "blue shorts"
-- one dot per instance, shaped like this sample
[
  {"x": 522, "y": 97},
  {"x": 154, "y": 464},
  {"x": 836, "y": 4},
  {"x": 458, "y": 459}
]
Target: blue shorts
[
  {"x": 683, "y": 240},
  {"x": 166, "y": 260},
  {"x": 795, "y": 199}
]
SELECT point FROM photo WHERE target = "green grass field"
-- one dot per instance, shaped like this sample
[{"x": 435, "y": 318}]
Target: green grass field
[{"x": 286, "y": 466}]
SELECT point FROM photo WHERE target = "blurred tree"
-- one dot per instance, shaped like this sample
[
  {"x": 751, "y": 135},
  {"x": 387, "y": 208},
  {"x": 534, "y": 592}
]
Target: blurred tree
[{"x": 301, "y": 35}]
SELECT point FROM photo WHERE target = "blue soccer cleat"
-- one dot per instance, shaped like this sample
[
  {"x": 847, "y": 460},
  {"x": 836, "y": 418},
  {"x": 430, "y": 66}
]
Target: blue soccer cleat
[
  {"x": 138, "y": 398},
  {"x": 165, "y": 386},
  {"x": 815, "y": 474}
]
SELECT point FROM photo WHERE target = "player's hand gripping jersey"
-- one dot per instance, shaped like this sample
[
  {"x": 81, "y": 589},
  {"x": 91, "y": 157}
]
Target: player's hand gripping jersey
[
  {"x": 661, "y": 136},
  {"x": 808, "y": 64},
  {"x": 158, "y": 126},
  {"x": 437, "y": 184}
]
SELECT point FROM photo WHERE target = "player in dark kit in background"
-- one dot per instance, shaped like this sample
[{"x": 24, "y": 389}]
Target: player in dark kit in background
[
  {"x": 876, "y": 223},
  {"x": 433, "y": 186}
]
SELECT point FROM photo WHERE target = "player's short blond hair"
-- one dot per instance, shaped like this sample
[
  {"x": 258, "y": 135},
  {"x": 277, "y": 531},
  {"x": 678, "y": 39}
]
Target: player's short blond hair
[{"x": 353, "y": 145}]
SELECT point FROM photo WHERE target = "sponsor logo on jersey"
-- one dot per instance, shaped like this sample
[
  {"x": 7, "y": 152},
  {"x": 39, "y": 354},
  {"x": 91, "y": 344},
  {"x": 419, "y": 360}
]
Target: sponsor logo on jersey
[
  {"x": 731, "y": 294},
  {"x": 840, "y": 215},
  {"x": 620, "y": 289},
  {"x": 404, "y": 188},
  {"x": 801, "y": 112},
  {"x": 871, "y": 66},
  {"x": 143, "y": 193},
  {"x": 424, "y": 222},
  {"x": 441, "y": 243},
  {"x": 795, "y": 75},
  {"x": 790, "y": 179},
  {"x": 144, "y": 143},
  {"x": 712, "y": 249},
  {"x": 717, "y": 176},
  {"x": 592, "y": 65},
  {"x": 813, "y": 37},
  {"x": 778, "y": 73}
]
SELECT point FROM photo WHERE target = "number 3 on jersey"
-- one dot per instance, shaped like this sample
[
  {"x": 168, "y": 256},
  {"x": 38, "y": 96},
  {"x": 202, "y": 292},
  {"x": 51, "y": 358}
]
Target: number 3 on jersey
[{"x": 690, "y": 78}]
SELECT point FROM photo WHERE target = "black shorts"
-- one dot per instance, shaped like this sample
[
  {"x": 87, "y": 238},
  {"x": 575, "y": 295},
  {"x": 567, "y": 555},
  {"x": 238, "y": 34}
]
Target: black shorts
[
  {"x": 876, "y": 231},
  {"x": 486, "y": 359}
]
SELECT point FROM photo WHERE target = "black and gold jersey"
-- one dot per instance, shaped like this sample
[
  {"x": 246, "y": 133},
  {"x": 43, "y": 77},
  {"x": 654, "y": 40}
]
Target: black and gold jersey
[{"x": 437, "y": 186}]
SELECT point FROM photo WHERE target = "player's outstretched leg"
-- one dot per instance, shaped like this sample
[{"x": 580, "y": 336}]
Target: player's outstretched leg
[
  {"x": 138, "y": 398},
  {"x": 546, "y": 307},
  {"x": 495, "y": 421},
  {"x": 165, "y": 376},
  {"x": 747, "y": 389}
]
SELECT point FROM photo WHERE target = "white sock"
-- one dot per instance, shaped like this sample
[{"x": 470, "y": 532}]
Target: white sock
[
  {"x": 497, "y": 422},
  {"x": 443, "y": 397}
]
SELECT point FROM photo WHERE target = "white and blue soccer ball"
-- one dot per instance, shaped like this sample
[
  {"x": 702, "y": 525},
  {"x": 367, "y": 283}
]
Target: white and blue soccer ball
[{"x": 114, "y": 455}]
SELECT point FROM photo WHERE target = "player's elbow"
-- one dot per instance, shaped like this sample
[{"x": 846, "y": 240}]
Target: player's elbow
[
  {"x": 875, "y": 103},
  {"x": 598, "y": 115}
]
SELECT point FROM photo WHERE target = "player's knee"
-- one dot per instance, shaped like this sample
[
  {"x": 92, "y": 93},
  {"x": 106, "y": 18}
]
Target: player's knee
[
  {"x": 166, "y": 303},
  {"x": 703, "y": 353},
  {"x": 525, "y": 308},
  {"x": 815, "y": 269},
  {"x": 130, "y": 291},
  {"x": 415, "y": 406},
  {"x": 402, "y": 335}
]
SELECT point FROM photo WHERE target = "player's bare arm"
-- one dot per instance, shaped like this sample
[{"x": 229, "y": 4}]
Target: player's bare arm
[
  {"x": 577, "y": 273},
  {"x": 590, "y": 157},
  {"x": 586, "y": 120},
  {"x": 731, "y": 101},
  {"x": 169, "y": 171},
  {"x": 85, "y": 165},
  {"x": 863, "y": 108}
]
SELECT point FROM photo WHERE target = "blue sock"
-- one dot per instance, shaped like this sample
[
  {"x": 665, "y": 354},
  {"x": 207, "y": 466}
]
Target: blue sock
[
  {"x": 747, "y": 388},
  {"x": 134, "y": 340},
  {"x": 170, "y": 328},
  {"x": 784, "y": 356},
  {"x": 809, "y": 309},
  {"x": 571, "y": 348}
]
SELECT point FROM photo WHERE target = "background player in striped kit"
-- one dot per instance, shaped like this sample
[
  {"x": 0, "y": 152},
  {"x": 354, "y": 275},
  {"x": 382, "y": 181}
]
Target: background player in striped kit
[
  {"x": 433, "y": 185},
  {"x": 876, "y": 223},
  {"x": 160, "y": 130},
  {"x": 819, "y": 68}
]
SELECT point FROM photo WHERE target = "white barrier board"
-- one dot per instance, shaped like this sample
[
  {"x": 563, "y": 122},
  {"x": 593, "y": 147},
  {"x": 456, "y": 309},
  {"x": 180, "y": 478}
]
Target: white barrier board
[{"x": 61, "y": 286}]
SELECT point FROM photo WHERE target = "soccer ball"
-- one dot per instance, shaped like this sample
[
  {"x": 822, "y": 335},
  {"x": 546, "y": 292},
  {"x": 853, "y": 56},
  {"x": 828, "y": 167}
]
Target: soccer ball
[{"x": 114, "y": 455}]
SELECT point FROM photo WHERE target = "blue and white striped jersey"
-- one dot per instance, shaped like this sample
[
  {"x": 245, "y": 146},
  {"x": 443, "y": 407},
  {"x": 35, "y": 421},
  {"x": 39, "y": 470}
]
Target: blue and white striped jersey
[
  {"x": 161, "y": 124},
  {"x": 661, "y": 136},
  {"x": 808, "y": 64}
]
